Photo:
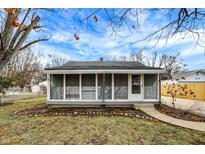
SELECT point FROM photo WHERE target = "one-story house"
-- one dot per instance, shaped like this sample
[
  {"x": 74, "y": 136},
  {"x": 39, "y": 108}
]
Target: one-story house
[{"x": 103, "y": 83}]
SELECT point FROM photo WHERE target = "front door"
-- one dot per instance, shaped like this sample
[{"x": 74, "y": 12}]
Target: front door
[{"x": 135, "y": 87}]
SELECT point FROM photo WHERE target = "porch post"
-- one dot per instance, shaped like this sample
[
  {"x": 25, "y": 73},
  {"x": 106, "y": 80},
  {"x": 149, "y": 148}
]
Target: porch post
[
  {"x": 142, "y": 79},
  {"x": 96, "y": 86},
  {"x": 64, "y": 86},
  {"x": 113, "y": 86},
  {"x": 103, "y": 87},
  {"x": 48, "y": 86},
  {"x": 159, "y": 88},
  {"x": 80, "y": 86}
]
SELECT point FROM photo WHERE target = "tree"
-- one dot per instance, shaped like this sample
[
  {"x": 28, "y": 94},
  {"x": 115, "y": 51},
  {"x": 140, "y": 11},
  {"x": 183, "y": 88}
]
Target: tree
[
  {"x": 14, "y": 33},
  {"x": 186, "y": 22},
  {"x": 25, "y": 69},
  {"x": 5, "y": 83},
  {"x": 171, "y": 63},
  {"x": 55, "y": 60},
  {"x": 177, "y": 89}
]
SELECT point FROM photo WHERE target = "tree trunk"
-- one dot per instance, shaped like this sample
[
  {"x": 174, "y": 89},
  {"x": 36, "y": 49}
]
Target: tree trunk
[
  {"x": 173, "y": 102},
  {"x": 3, "y": 63}
]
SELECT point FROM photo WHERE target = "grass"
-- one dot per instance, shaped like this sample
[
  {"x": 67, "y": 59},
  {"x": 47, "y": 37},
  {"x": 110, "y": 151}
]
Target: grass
[{"x": 87, "y": 129}]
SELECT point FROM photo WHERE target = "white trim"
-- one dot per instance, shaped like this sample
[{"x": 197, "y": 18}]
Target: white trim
[
  {"x": 113, "y": 88},
  {"x": 64, "y": 86},
  {"x": 48, "y": 86},
  {"x": 96, "y": 86},
  {"x": 142, "y": 77},
  {"x": 158, "y": 91},
  {"x": 131, "y": 96},
  {"x": 115, "y": 100},
  {"x": 116, "y": 71},
  {"x": 80, "y": 86}
]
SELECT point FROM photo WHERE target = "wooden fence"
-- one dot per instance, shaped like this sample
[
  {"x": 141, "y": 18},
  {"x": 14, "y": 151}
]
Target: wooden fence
[{"x": 197, "y": 88}]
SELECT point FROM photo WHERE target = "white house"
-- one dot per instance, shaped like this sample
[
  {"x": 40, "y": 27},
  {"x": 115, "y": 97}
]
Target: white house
[
  {"x": 193, "y": 76},
  {"x": 103, "y": 83},
  {"x": 37, "y": 88}
]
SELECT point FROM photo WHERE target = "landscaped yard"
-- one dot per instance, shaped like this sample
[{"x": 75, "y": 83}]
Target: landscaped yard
[{"x": 85, "y": 129}]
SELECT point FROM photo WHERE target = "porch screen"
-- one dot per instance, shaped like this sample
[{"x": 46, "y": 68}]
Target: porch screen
[
  {"x": 107, "y": 86},
  {"x": 150, "y": 86},
  {"x": 88, "y": 86},
  {"x": 56, "y": 86},
  {"x": 121, "y": 86},
  {"x": 72, "y": 86}
]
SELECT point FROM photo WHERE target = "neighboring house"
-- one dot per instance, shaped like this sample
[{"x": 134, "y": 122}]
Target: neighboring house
[
  {"x": 194, "y": 81},
  {"x": 38, "y": 88},
  {"x": 103, "y": 83},
  {"x": 194, "y": 76}
]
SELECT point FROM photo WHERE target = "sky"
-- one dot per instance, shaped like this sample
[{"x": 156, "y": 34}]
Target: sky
[{"x": 98, "y": 40}]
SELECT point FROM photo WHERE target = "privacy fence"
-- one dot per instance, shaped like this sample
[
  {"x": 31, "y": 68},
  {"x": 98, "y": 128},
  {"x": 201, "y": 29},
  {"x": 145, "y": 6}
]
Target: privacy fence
[{"x": 197, "y": 88}]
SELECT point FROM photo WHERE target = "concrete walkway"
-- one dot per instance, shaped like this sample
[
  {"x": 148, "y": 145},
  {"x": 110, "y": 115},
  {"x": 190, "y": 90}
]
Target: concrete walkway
[
  {"x": 200, "y": 126},
  {"x": 194, "y": 106}
]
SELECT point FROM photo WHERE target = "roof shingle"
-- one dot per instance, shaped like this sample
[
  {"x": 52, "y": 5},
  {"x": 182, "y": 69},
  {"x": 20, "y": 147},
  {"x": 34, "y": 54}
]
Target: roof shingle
[{"x": 86, "y": 65}]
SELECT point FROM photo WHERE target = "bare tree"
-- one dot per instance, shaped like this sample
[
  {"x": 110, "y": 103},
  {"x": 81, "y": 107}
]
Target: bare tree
[
  {"x": 175, "y": 90},
  {"x": 25, "y": 69},
  {"x": 14, "y": 33},
  {"x": 55, "y": 60},
  {"x": 171, "y": 63},
  {"x": 187, "y": 22}
]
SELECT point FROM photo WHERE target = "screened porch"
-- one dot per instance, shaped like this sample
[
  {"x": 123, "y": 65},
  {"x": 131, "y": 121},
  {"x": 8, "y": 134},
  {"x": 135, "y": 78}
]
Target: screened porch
[{"x": 103, "y": 87}]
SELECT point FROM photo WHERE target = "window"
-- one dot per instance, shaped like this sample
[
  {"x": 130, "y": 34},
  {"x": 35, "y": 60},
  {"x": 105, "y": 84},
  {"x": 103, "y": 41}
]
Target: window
[
  {"x": 56, "y": 86},
  {"x": 121, "y": 86},
  {"x": 107, "y": 87},
  {"x": 150, "y": 86},
  {"x": 88, "y": 86},
  {"x": 72, "y": 86},
  {"x": 136, "y": 84}
]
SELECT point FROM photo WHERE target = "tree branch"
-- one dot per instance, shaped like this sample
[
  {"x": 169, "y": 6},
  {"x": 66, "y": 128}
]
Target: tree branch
[
  {"x": 32, "y": 42},
  {"x": 26, "y": 33},
  {"x": 18, "y": 30},
  {"x": 8, "y": 30},
  {"x": 2, "y": 44}
]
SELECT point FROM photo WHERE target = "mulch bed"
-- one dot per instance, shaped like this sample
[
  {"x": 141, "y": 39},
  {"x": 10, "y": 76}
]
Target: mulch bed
[
  {"x": 179, "y": 114},
  {"x": 44, "y": 110}
]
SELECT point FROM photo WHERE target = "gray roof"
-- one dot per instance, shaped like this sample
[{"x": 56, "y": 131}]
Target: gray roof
[
  {"x": 185, "y": 73},
  {"x": 86, "y": 65}
]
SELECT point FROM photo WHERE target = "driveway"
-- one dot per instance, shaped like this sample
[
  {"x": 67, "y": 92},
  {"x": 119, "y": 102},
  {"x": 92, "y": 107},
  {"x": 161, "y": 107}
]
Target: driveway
[{"x": 194, "y": 106}]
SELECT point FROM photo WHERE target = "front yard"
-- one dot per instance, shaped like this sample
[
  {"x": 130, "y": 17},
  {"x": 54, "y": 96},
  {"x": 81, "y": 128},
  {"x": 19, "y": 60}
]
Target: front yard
[{"x": 85, "y": 129}]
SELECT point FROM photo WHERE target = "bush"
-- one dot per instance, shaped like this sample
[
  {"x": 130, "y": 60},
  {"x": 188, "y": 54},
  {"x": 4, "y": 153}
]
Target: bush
[{"x": 5, "y": 83}]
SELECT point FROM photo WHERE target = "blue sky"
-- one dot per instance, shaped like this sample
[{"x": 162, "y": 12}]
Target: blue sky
[{"x": 97, "y": 39}]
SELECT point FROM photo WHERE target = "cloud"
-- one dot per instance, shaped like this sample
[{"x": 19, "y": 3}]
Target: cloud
[
  {"x": 188, "y": 52},
  {"x": 97, "y": 41},
  {"x": 61, "y": 37},
  {"x": 43, "y": 51}
]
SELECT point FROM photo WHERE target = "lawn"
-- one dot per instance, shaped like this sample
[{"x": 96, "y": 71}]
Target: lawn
[{"x": 87, "y": 129}]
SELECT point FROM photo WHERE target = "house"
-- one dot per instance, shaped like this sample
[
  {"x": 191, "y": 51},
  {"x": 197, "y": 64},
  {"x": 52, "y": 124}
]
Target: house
[
  {"x": 38, "y": 88},
  {"x": 193, "y": 76},
  {"x": 103, "y": 83}
]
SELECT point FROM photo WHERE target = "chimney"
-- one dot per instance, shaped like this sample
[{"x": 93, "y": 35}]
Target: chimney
[{"x": 101, "y": 59}]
